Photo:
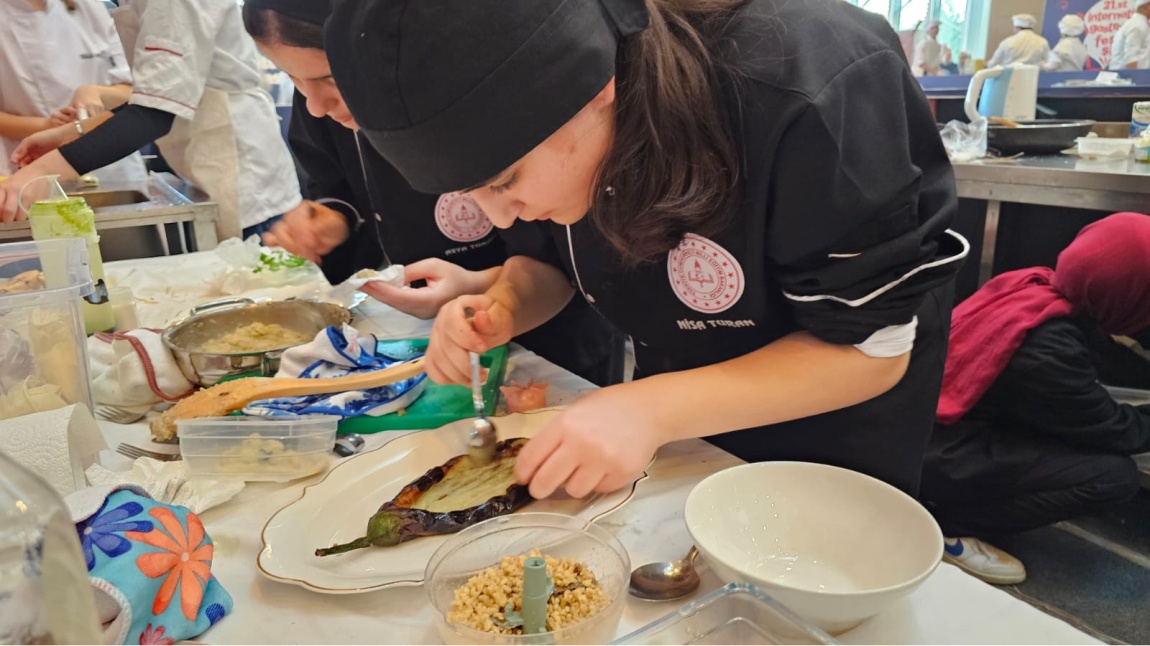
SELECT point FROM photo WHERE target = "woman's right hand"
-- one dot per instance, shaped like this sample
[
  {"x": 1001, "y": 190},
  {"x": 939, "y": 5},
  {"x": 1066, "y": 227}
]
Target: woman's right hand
[
  {"x": 310, "y": 230},
  {"x": 454, "y": 335},
  {"x": 63, "y": 116},
  {"x": 88, "y": 99}
]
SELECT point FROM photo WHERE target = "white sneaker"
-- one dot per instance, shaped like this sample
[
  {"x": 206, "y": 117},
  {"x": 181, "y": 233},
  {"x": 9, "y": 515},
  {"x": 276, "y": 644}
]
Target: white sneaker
[{"x": 983, "y": 560}]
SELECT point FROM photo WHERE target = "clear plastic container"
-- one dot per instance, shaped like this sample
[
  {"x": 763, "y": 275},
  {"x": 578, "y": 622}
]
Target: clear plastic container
[
  {"x": 124, "y": 308},
  {"x": 45, "y": 594},
  {"x": 484, "y": 545},
  {"x": 276, "y": 449},
  {"x": 43, "y": 348},
  {"x": 734, "y": 614},
  {"x": 61, "y": 216},
  {"x": 1105, "y": 146}
]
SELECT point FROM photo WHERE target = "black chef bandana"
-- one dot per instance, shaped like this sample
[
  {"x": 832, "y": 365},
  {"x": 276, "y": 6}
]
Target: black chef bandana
[
  {"x": 453, "y": 92},
  {"x": 313, "y": 12}
]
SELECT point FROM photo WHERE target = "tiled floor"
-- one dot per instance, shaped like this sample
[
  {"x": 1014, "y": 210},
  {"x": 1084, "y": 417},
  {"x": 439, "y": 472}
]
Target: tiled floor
[{"x": 1094, "y": 571}]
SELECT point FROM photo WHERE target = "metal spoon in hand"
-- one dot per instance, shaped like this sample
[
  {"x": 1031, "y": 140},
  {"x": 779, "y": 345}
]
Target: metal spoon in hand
[
  {"x": 666, "y": 581},
  {"x": 481, "y": 440}
]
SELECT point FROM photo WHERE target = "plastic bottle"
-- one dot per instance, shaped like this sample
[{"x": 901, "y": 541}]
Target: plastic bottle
[
  {"x": 1139, "y": 118},
  {"x": 45, "y": 594},
  {"x": 1142, "y": 149},
  {"x": 61, "y": 216}
]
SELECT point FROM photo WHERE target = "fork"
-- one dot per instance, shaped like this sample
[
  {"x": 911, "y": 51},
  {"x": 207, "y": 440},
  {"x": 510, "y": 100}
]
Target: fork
[
  {"x": 118, "y": 415},
  {"x": 135, "y": 452}
]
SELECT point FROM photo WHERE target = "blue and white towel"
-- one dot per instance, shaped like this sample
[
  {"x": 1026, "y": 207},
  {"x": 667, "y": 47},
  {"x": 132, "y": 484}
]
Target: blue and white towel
[{"x": 337, "y": 353}]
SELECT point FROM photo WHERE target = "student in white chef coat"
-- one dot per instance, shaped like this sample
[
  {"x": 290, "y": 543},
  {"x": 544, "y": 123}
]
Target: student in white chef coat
[
  {"x": 199, "y": 94},
  {"x": 1024, "y": 47},
  {"x": 1131, "y": 48},
  {"x": 1069, "y": 55},
  {"x": 928, "y": 52},
  {"x": 56, "y": 57}
]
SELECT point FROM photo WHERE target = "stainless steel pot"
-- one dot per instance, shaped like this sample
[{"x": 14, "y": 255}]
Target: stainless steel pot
[{"x": 213, "y": 320}]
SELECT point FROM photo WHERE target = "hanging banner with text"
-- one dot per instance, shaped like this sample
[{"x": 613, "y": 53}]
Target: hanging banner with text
[{"x": 1103, "y": 20}]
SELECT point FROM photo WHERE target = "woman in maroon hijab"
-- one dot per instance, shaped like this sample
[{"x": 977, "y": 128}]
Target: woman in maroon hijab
[{"x": 1026, "y": 433}]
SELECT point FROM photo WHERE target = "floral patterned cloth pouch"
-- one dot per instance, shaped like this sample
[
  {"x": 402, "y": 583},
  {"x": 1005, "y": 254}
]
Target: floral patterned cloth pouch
[{"x": 150, "y": 565}]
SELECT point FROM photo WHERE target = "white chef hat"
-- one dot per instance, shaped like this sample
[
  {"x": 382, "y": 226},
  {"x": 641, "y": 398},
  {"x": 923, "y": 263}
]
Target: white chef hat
[
  {"x": 1139, "y": 3},
  {"x": 936, "y": 23},
  {"x": 1027, "y": 21},
  {"x": 1072, "y": 25}
]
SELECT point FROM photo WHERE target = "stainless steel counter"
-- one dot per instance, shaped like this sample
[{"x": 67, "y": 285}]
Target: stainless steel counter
[
  {"x": 162, "y": 199},
  {"x": 1052, "y": 180}
]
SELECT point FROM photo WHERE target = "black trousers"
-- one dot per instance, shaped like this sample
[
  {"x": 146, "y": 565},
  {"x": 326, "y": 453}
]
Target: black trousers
[{"x": 983, "y": 481}]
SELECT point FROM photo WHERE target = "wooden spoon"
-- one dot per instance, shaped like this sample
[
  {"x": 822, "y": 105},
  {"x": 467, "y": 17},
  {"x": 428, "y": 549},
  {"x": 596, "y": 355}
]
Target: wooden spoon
[
  {"x": 224, "y": 398},
  {"x": 999, "y": 121}
]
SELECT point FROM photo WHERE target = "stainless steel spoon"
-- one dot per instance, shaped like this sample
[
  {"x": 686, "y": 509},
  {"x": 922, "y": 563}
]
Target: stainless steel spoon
[
  {"x": 666, "y": 581},
  {"x": 481, "y": 440},
  {"x": 348, "y": 445}
]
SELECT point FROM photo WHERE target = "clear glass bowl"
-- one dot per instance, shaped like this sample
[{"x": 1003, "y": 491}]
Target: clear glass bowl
[{"x": 479, "y": 547}]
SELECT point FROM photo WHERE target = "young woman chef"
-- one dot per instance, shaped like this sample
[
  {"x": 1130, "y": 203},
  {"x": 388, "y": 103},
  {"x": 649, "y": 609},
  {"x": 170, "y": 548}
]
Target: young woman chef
[
  {"x": 196, "y": 90},
  {"x": 765, "y": 215},
  {"x": 371, "y": 215}
]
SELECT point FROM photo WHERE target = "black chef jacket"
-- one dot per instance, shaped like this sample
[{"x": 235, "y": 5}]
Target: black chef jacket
[
  {"x": 842, "y": 231},
  {"x": 391, "y": 221},
  {"x": 388, "y": 219}
]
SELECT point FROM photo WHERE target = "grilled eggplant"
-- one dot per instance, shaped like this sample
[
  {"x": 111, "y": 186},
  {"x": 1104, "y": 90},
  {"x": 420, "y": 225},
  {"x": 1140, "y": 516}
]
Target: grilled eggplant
[{"x": 445, "y": 500}]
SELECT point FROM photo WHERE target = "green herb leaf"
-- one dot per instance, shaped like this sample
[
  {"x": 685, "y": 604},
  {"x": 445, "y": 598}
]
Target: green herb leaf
[{"x": 278, "y": 259}]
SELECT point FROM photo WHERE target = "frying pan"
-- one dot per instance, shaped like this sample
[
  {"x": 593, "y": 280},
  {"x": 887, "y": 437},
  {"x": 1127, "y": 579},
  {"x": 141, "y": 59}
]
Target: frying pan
[{"x": 1038, "y": 137}]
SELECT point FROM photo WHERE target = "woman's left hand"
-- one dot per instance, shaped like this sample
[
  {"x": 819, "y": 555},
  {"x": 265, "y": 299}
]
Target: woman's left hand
[
  {"x": 36, "y": 146},
  {"x": 600, "y": 444},
  {"x": 446, "y": 281}
]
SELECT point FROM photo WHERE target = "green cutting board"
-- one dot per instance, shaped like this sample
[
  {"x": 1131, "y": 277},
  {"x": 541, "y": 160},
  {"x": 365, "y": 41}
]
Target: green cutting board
[{"x": 438, "y": 405}]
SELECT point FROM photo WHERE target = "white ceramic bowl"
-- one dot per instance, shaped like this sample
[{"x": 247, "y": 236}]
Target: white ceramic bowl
[{"x": 835, "y": 546}]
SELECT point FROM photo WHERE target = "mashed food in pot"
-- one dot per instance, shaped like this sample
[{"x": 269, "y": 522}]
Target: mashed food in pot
[{"x": 255, "y": 337}]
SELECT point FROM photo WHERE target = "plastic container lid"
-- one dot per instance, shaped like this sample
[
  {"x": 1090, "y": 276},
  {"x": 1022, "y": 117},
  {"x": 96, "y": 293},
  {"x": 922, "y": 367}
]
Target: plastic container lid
[
  {"x": 64, "y": 261},
  {"x": 737, "y": 613},
  {"x": 278, "y": 427},
  {"x": 1106, "y": 146}
]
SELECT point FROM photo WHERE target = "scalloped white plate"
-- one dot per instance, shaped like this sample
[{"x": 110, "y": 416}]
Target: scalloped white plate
[{"x": 336, "y": 510}]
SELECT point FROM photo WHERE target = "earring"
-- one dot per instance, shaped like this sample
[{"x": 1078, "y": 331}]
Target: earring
[{"x": 610, "y": 190}]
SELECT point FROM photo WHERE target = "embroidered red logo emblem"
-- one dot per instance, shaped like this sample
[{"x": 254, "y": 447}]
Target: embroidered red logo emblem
[
  {"x": 705, "y": 276},
  {"x": 459, "y": 217}
]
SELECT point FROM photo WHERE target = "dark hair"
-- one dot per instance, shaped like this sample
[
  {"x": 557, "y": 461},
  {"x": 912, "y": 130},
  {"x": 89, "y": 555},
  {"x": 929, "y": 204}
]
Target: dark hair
[
  {"x": 673, "y": 167},
  {"x": 70, "y": 5},
  {"x": 273, "y": 27}
]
